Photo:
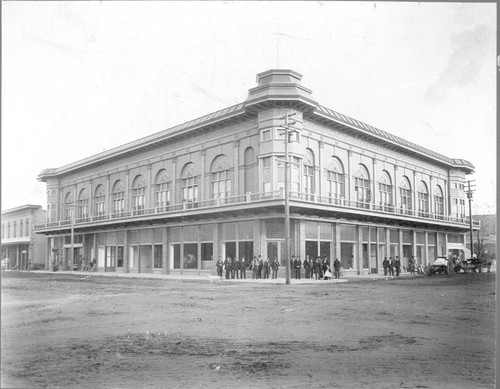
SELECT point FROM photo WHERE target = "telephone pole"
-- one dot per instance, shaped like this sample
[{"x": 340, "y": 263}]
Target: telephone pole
[
  {"x": 287, "y": 129},
  {"x": 469, "y": 193}
]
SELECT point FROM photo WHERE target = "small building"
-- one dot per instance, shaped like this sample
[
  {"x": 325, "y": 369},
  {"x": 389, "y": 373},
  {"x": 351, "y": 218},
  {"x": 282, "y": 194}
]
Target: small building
[
  {"x": 20, "y": 245},
  {"x": 177, "y": 200}
]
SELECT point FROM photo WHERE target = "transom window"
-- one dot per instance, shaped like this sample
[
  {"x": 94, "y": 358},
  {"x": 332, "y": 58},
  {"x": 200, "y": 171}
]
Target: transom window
[
  {"x": 139, "y": 194},
  {"x": 309, "y": 174},
  {"x": 385, "y": 190},
  {"x": 189, "y": 184},
  {"x": 438, "y": 201},
  {"x": 163, "y": 187},
  {"x": 362, "y": 187},
  {"x": 99, "y": 201},
  {"x": 221, "y": 182},
  {"x": 83, "y": 204},
  {"x": 423, "y": 199},
  {"x": 335, "y": 179},
  {"x": 405, "y": 195},
  {"x": 118, "y": 198},
  {"x": 68, "y": 206}
]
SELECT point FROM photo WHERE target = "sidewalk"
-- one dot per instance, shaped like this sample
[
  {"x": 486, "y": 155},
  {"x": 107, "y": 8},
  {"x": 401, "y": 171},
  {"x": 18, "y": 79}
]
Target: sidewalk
[{"x": 215, "y": 279}]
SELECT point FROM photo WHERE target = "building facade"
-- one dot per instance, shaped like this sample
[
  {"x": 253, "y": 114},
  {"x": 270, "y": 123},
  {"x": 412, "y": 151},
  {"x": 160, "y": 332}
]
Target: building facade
[
  {"x": 177, "y": 200},
  {"x": 20, "y": 245}
]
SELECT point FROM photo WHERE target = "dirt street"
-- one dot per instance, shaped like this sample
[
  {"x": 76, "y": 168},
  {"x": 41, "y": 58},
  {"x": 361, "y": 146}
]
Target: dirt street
[{"x": 63, "y": 331}]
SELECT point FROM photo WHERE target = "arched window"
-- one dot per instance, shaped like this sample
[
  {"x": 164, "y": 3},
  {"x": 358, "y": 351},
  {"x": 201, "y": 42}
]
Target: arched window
[
  {"x": 250, "y": 166},
  {"x": 118, "y": 198},
  {"x": 309, "y": 174},
  {"x": 162, "y": 190},
  {"x": 385, "y": 192},
  {"x": 362, "y": 187},
  {"x": 139, "y": 194},
  {"x": 83, "y": 204},
  {"x": 189, "y": 184},
  {"x": 99, "y": 201},
  {"x": 335, "y": 179},
  {"x": 221, "y": 183},
  {"x": 423, "y": 199},
  {"x": 406, "y": 205},
  {"x": 438, "y": 201},
  {"x": 69, "y": 203}
]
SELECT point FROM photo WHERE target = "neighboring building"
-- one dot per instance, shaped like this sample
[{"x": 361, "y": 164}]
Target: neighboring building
[
  {"x": 174, "y": 201},
  {"x": 20, "y": 244},
  {"x": 485, "y": 239}
]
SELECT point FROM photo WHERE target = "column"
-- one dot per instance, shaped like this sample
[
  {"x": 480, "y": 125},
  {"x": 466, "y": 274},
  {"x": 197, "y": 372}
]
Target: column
[
  {"x": 236, "y": 188},
  {"x": 349, "y": 190},
  {"x": 336, "y": 234},
  {"x": 151, "y": 189},
  {"x": 174, "y": 181},
  {"x": 127, "y": 194},
  {"x": 319, "y": 170},
  {"x": 126, "y": 249},
  {"x": 203, "y": 174},
  {"x": 359, "y": 245},
  {"x": 165, "y": 252},
  {"x": 414, "y": 194},
  {"x": 400, "y": 245},
  {"x": 396, "y": 186},
  {"x": 414, "y": 244},
  {"x": 96, "y": 252},
  {"x": 109, "y": 208},
  {"x": 301, "y": 239},
  {"x": 426, "y": 254}
]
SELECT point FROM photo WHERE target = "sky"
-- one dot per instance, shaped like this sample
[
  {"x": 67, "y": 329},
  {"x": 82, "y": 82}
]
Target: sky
[{"x": 82, "y": 77}]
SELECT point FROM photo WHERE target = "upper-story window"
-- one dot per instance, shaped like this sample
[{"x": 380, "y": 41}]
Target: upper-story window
[
  {"x": 27, "y": 227},
  {"x": 83, "y": 204},
  {"x": 438, "y": 201},
  {"x": 266, "y": 174},
  {"x": 139, "y": 194},
  {"x": 99, "y": 201},
  {"x": 21, "y": 228},
  {"x": 3, "y": 230},
  {"x": 118, "y": 197},
  {"x": 14, "y": 229},
  {"x": 362, "y": 187},
  {"x": 335, "y": 179},
  {"x": 249, "y": 172},
  {"x": 162, "y": 190},
  {"x": 69, "y": 204},
  {"x": 221, "y": 182},
  {"x": 423, "y": 199},
  {"x": 309, "y": 174},
  {"x": 266, "y": 135},
  {"x": 406, "y": 205},
  {"x": 385, "y": 191},
  {"x": 8, "y": 230},
  {"x": 189, "y": 180}
]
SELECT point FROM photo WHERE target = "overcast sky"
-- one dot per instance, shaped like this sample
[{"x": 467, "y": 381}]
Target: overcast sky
[{"x": 82, "y": 77}]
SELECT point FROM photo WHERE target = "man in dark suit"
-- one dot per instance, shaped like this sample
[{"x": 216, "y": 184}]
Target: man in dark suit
[
  {"x": 243, "y": 268},
  {"x": 297, "y": 264},
  {"x": 307, "y": 267},
  {"x": 228, "y": 265}
]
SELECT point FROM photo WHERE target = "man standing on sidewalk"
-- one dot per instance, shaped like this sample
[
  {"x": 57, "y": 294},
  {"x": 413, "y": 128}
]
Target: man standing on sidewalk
[
  {"x": 296, "y": 265},
  {"x": 274, "y": 266},
  {"x": 227, "y": 265},
  {"x": 397, "y": 265},
  {"x": 385, "y": 265},
  {"x": 243, "y": 268},
  {"x": 336, "y": 268}
]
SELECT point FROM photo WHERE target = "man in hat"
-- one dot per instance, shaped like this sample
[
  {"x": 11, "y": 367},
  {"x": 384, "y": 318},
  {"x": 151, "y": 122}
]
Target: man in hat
[
  {"x": 307, "y": 267},
  {"x": 296, "y": 265},
  {"x": 274, "y": 266},
  {"x": 259, "y": 269},
  {"x": 243, "y": 268},
  {"x": 255, "y": 267},
  {"x": 228, "y": 265},
  {"x": 220, "y": 266},
  {"x": 336, "y": 268}
]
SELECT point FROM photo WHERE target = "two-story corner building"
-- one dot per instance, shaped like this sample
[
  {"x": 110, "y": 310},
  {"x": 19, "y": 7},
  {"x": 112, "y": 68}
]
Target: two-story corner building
[
  {"x": 177, "y": 200},
  {"x": 20, "y": 245}
]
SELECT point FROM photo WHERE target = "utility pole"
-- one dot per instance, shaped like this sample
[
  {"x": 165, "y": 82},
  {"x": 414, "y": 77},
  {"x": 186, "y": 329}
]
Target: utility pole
[
  {"x": 287, "y": 129},
  {"x": 469, "y": 192}
]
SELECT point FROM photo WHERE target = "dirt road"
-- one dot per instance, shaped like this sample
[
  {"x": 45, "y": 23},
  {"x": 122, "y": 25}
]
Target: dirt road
[{"x": 62, "y": 331}]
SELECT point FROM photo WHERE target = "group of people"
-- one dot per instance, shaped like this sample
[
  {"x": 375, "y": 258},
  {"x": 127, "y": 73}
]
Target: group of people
[
  {"x": 263, "y": 269},
  {"x": 237, "y": 269},
  {"x": 391, "y": 265},
  {"x": 316, "y": 268}
]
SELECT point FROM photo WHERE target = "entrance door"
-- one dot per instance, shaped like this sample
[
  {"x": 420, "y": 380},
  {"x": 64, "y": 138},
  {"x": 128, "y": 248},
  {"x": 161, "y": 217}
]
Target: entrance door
[
  {"x": 274, "y": 251},
  {"x": 407, "y": 253}
]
